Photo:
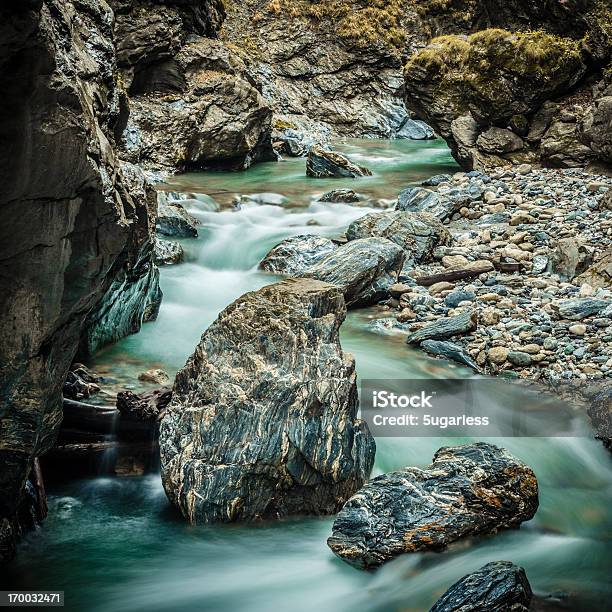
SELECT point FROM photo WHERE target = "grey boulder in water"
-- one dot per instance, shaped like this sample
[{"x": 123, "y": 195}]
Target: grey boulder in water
[
  {"x": 167, "y": 252},
  {"x": 496, "y": 587},
  {"x": 263, "y": 419},
  {"x": 295, "y": 255},
  {"x": 173, "y": 220},
  {"x": 467, "y": 490},
  {"x": 418, "y": 234},
  {"x": 451, "y": 351},
  {"x": 363, "y": 269},
  {"x": 322, "y": 163}
]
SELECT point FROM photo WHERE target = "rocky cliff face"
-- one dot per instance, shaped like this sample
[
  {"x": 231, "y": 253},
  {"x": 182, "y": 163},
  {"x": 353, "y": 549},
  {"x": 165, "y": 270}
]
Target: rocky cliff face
[
  {"x": 191, "y": 105},
  {"x": 517, "y": 95},
  {"x": 76, "y": 233},
  {"x": 336, "y": 62}
]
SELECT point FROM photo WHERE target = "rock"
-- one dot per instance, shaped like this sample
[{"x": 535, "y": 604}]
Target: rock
[
  {"x": 490, "y": 316},
  {"x": 321, "y": 163},
  {"x": 364, "y": 269},
  {"x": 599, "y": 274},
  {"x": 196, "y": 108},
  {"x": 145, "y": 407},
  {"x": 417, "y": 233},
  {"x": 168, "y": 252},
  {"x": 347, "y": 196},
  {"x": 495, "y": 587},
  {"x": 297, "y": 254},
  {"x": 405, "y": 315},
  {"x": 455, "y": 261},
  {"x": 436, "y": 180},
  {"x": 498, "y": 355},
  {"x": 599, "y": 409},
  {"x": 398, "y": 289},
  {"x": 467, "y": 490},
  {"x": 262, "y": 199},
  {"x": 524, "y": 169},
  {"x": 154, "y": 376},
  {"x": 570, "y": 257},
  {"x": 76, "y": 243},
  {"x": 453, "y": 299},
  {"x": 581, "y": 308},
  {"x": 473, "y": 269},
  {"x": 440, "y": 287},
  {"x": 272, "y": 431},
  {"x": 462, "y": 85},
  {"x": 450, "y": 351},
  {"x": 597, "y": 123},
  {"x": 519, "y": 358},
  {"x": 560, "y": 146},
  {"x": 446, "y": 327},
  {"x": 498, "y": 141},
  {"x": 173, "y": 220},
  {"x": 80, "y": 383},
  {"x": 577, "y": 330},
  {"x": 417, "y": 199},
  {"x": 415, "y": 130}
]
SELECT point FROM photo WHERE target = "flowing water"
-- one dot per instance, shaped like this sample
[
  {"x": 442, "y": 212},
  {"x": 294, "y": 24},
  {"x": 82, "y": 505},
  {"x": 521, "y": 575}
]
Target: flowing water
[{"x": 116, "y": 544}]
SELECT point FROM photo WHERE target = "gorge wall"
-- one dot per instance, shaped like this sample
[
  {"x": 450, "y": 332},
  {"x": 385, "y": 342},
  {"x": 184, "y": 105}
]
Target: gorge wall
[{"x": 76, "y": 260}]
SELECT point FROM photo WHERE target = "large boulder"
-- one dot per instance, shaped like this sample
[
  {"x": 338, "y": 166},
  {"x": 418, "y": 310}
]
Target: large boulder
[
  {"x": 495, "y": 587},
  {"x": 263, "y": 419},
  {"x": 418, "y": 234},
  {"x": 322, "y": 163},
  {"x": 208, "y": 114},
  {"x": 469, "y": 89},
  {"x": 467, "y": 490},
  {"x": 364, "y": 269},
  {"x": 295, "y": 255}
]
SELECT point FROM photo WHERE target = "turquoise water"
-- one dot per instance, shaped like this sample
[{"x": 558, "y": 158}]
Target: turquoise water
[{"x": 116, "y": 544}]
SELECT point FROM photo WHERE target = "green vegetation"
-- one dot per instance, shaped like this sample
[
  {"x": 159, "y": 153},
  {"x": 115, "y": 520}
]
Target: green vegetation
[{"x": 361, "y": 22}]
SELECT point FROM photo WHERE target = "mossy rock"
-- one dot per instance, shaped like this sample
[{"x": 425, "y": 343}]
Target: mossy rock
[{"x": 493, "y": 73}]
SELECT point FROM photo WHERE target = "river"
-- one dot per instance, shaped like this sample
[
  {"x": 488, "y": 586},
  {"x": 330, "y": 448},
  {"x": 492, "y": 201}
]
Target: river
[{"x": 116, "y": 544}]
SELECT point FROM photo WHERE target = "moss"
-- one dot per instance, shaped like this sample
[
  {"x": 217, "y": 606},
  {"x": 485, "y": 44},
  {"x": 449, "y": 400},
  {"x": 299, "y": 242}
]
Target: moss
[{"x": 361, "y": 22}]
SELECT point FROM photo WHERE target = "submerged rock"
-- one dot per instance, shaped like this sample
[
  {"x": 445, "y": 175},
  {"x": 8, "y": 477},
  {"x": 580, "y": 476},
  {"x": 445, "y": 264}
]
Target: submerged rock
[
  {"x": 347, "y": 196},
  {"x": 263, "y": 420},
  {"x": 418, "y": 234},
  {"x": 450, "y": 350},
  {"x": 364, "y": 269},
  {"x": 322, "y": 163},
  {"x": 168, "y": 252},
  {"x": 495, "y": 587},
  {"x": 297, "y": 254},
  {"x": 467, "y": 490}
]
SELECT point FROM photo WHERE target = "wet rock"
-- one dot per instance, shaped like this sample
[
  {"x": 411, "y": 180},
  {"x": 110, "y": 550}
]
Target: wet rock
[
  {"x": 297, "y": 254},
  {"x": 418, "y": 234},
  {"x": 364, "y": 269},
  {"x": 495, "y": 587},
  {"x": 581, "y": 308},
  {"x": 75, "y": 242},
  {"x": 154, "y": 376},
  {"x": 273, "y": 430},
  {"x": 446, "y": 327},
  {"x": 347, "y": 196},
  {"x": 168, "y": 252},
  {"x": 467, "y": 490},
  {"x": 80, "y": 383},
  {"x": 145, "y": 407},
  {"x": 173, "y": 220},
  {"x": 322, "y": 163},
  {"x": 262, "y": 199},
  {"x": 450, "y": 351}
]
